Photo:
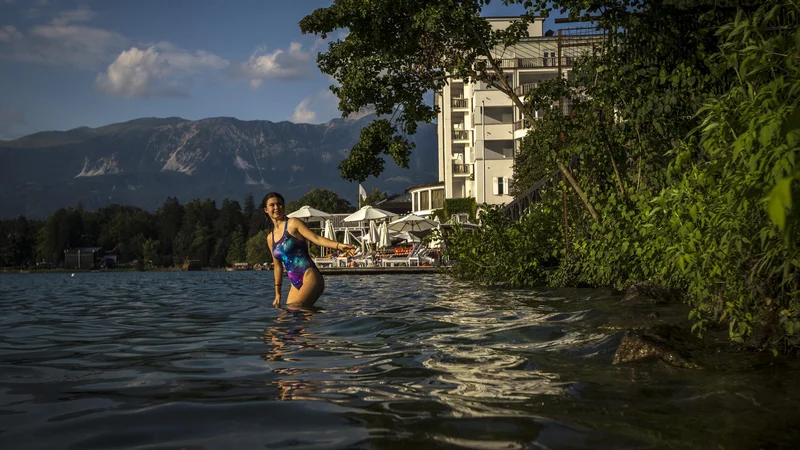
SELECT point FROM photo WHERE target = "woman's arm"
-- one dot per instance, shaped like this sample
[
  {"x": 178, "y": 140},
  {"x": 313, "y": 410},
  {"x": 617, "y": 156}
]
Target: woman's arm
[
  {"x": 277, "y": 269},
  {"x": 299, "y": 227}
]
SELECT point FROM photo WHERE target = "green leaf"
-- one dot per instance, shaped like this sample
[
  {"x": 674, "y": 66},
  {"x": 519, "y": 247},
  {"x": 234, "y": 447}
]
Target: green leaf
[{"x": 778, "y": 201}]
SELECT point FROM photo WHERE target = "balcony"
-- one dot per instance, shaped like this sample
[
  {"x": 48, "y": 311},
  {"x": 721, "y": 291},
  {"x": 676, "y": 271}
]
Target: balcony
[
  {"x": 460, "y": 135},
  {"x": 498, "y": 131},
  {"x": 459, "y": 103},
  {"x": 534, "y": 63},
  {"x": 523, "y": 124},
  {"x": 462, "y": 169},
  {"x": 523, "y": 89},
  {"x": 521, "y": 128}
]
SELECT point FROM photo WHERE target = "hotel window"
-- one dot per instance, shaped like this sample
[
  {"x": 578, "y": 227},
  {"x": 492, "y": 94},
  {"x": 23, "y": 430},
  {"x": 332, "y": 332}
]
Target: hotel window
[
  {"x": 437, "y": 199},
  {"x": 549, "y": 59},
  {"x": 424, "y": 200},
  {"x": 500, "y": 185}
]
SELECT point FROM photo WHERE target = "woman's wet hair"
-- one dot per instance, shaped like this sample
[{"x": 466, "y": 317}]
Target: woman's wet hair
[
  {"x": 273, "y": 195},
  {"x": 270, "y": 195}
]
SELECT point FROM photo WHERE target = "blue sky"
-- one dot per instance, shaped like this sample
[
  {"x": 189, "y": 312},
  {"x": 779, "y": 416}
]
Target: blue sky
[{"x": 71, "y": 63}]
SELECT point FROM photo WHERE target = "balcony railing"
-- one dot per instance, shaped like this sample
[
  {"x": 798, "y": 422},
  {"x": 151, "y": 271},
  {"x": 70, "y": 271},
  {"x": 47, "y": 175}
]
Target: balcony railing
[
  {"x": 523, "y": 89},
  {"x": 462, "y": 169},
  {"x": 458, "y": 102},
  {"x": 460, "y": 135},
  {"x": 522, "y": 125},
  {"x": 532, "y": 63}
]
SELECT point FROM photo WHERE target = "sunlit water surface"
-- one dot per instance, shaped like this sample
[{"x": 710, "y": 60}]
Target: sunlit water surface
[{"x": 202, "y": 360}]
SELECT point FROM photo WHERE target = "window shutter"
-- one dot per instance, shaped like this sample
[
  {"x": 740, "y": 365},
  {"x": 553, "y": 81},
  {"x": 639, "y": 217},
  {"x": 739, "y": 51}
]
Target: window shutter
[
  {"x": 494, "y": 185},
  {"x": 507, "y": 185}
]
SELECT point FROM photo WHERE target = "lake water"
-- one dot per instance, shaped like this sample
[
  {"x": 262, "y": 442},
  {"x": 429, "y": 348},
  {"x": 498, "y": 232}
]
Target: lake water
[{"x": 202, "y": 360}]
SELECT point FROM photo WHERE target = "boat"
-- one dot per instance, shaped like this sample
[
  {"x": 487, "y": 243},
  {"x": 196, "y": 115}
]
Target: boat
[{"x": 239, "y": 266}]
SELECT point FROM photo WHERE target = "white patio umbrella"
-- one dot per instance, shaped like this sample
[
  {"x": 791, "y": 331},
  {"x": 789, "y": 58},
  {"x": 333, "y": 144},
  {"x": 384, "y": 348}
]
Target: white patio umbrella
[
  {"x": 328, "y": 231},
  {"x": 436, "y": 243},
  {"x": 347, "y": 238},
  {"x": 309, "y": 214},
  {"x": 412, "y": 223},
  {"x": 364, "y": 241},
  {"x": 373, "y": 232},
  {"x": 368, "y": 213},
  {"x": 383, "y": 236}
]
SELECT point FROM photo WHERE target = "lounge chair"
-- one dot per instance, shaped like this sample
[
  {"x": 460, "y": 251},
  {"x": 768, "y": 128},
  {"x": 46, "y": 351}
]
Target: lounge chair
[{"x": 406, "y": 260}]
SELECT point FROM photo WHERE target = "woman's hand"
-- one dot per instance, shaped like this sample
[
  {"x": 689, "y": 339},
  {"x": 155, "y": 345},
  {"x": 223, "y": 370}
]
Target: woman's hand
[
  {"x": 345, "y": 248},
  {"x": 277, "y": 302}
]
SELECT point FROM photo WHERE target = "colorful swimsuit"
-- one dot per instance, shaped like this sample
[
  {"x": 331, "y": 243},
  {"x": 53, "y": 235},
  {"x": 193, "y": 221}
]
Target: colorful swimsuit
[{"x": 293, "y": 253}]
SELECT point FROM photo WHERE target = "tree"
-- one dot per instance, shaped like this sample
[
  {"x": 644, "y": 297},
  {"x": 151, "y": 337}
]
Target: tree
[
  {"x": 230, "y": 219},
  {"x": 149, "y": 253},
  {"x": 249, "y": 206},
  {"x": 396, "y": 52},
  {"x": 17, "y": 241},
  {"x": 237, "y": 251},
  {"x": 254, "y": 217},
  {"x": 169, "y": 218},
  {"x": 258, "y": 250},
  {"x": 321, "y": 199},
  {"x": 201, "y": 245},
  {"x": 195, "y": 238},
  {"x": 219, "y": 253},
  {"x": 374, "y": 197}
]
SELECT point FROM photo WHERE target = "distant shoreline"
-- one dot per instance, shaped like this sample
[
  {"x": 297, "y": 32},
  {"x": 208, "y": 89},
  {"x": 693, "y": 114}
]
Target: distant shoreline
[{"x": 324, "y": 271}]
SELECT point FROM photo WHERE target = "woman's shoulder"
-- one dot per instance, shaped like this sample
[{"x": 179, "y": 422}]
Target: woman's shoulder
[{"x": 294, "y": 223}]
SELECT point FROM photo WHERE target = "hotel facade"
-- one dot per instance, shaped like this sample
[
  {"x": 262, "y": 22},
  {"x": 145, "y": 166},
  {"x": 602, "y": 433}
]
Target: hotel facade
[{"x": 479, "y": 129}]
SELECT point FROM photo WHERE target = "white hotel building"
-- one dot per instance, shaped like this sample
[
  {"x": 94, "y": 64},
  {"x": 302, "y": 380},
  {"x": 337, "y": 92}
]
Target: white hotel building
[{"x": 480, "y": 129}]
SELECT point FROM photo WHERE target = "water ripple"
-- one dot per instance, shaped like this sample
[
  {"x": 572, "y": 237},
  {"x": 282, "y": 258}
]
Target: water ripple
[{"x": 202, "y": 360}]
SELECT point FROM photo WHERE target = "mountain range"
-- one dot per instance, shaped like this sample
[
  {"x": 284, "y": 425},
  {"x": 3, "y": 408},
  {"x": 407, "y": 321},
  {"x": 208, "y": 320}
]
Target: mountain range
[{"x": 143, "y": 161}]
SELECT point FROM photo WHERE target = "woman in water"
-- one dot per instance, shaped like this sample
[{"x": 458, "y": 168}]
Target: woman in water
[{"x": 287, "y": 240}]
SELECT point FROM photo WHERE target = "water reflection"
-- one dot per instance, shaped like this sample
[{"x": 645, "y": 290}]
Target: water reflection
[{"x": 290, "y": 335}]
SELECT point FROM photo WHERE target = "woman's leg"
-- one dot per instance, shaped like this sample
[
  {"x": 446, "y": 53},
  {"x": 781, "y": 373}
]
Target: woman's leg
[{"x": 309, "y": 293}]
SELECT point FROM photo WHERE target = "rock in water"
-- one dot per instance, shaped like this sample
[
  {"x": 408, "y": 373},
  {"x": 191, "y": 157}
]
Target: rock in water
[
  {"x": 640, "y": 345},
  {"x": 657, "y": 294}
]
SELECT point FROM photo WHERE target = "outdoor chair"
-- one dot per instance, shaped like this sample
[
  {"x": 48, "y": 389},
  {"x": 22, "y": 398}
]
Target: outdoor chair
[
  {"x": 325, "y": 262},
  {"x": 408, "y": 259}
]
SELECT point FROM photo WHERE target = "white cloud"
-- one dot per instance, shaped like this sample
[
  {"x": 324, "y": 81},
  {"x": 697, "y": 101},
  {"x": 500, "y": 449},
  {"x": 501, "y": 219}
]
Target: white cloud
[
  {"x": 160, "y": 70},
  {"x": 76, "y": 15},
  {"x": 77, "y": 45},
  {"x": 62, "y": 41},
  {"x": 318, "y": 108},
  {"x": 293, "y": 62},
  {"x": 363, "y": 112},
  {"x": 8, "y": 34},
  {"x": 302, "y": 114},
  {"x": 322, "y": 107}
]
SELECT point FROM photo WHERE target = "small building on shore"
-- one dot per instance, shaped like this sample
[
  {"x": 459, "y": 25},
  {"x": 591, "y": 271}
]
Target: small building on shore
[{"x": 84, "y": 258}]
